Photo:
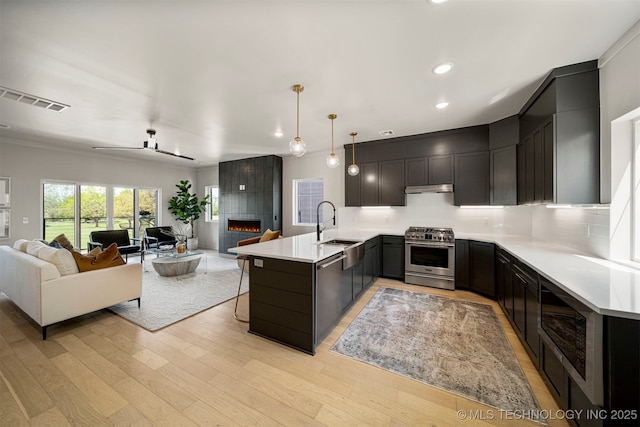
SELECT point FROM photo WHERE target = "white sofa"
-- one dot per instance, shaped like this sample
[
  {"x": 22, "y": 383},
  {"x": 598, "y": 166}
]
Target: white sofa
[{"x": 50, "y": 294}]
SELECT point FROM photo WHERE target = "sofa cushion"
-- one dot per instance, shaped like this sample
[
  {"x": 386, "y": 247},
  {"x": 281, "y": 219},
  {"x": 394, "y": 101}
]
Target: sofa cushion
[
  {"x": 61, "y": 258},
  {"x": 34, "y": 246},
  {"x": 110, "y": 257},
  {"x": 269, "y": 235},
  {"x": 21, "y": 245}
]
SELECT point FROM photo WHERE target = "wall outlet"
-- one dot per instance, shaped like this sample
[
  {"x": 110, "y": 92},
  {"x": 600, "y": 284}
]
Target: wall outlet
[
  {"x": 258, "y": 262},
  {"x": 587, "y": 231},
  {"x": 25, "y": 220}
]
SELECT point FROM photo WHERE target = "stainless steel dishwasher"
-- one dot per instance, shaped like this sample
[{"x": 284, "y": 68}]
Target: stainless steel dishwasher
[
  {"x": 328, "y": 289},
  {"x": 328, "y": 306}
]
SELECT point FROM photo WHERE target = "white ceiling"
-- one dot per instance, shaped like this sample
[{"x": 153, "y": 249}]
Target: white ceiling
[{"x": 213, "y": 77}]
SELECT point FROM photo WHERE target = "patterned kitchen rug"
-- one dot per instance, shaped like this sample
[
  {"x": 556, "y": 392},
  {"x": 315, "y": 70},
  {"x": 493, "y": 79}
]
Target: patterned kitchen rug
[{"x": 457, "y": 346}]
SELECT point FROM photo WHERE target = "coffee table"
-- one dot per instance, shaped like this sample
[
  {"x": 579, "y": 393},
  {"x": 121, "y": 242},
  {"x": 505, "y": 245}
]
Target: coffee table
[{"x": 172, "y": 263}]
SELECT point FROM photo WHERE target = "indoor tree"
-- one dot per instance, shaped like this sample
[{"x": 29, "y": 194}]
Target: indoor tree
[{"x": 186, "y": 207}]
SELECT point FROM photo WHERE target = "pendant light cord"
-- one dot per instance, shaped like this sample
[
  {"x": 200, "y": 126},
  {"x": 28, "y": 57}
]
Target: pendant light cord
[
  {"x": 332, "y": 137},
  {"x": 298, "y": 114}
]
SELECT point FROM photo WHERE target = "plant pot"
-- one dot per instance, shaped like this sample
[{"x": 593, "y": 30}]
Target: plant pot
[{"x": 192, "y": 243}]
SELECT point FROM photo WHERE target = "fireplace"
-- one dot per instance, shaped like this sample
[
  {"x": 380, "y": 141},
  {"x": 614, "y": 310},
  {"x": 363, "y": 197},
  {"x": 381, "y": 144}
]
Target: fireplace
[{"x": 248, "y": 225}]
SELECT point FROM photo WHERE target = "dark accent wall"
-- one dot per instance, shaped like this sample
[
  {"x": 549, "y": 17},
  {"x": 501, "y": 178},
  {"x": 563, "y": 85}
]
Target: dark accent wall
[{"x": 250, "y": 189}]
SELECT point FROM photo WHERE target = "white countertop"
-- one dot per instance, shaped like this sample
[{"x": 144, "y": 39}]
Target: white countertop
[
  {"x": 605, "y": 286},
  {"x": 304, "y": 247}
]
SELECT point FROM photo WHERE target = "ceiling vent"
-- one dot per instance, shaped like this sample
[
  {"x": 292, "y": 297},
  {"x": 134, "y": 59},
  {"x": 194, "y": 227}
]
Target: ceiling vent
[
  {"x": 387, "y": 132},
  {"x": 36, "y": 101}
]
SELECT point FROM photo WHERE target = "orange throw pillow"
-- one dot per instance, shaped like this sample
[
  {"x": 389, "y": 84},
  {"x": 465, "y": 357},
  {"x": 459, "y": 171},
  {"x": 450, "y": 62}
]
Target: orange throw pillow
[
  {"x": 269, "y": 235},
  {"x": 110, "y": 257}
]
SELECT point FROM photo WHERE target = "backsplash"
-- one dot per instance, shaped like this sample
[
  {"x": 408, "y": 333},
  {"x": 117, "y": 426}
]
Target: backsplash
[
  {"x": 438, "y": 210},
  {"x": 583, "y": 229}
]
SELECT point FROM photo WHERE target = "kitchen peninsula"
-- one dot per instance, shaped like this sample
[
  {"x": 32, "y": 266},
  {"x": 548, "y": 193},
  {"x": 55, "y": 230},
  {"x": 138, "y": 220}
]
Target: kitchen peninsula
[{"x": 300, "y": 287}]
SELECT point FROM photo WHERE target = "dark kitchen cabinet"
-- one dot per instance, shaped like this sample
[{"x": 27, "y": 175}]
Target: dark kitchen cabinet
[
  {"x": 560, "y": 131},
  {"x": 429, "y": 170},
  {"x": 526, "y": 308},
  {"x": 521, "y": 173},
  {"x": 471, "y": 183},
  {"x": 504, "y": 287},
  {"x": 393, "y": 257},
  {"x": 391, "y": 183},
  {"x": 352, "y": 190},
  {"x": 482, "y": 268},
  {"x": 371, "y": 261},
  {"x": 369, "y": 184},
  {"x": 441, "y": 169},
  {"x": 377, "y": 184},
  {"x": 462, "y": 264},
  {"x": 503, "y": 139},
  {"x": 503, "y": 179}
]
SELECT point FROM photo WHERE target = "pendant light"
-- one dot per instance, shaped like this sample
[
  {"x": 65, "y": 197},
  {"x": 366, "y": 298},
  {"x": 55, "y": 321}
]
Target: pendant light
[
  {"x": 353, "y": 170},
  {"x": 332, "y": 160},
  {"x": 297, "y": 147}
]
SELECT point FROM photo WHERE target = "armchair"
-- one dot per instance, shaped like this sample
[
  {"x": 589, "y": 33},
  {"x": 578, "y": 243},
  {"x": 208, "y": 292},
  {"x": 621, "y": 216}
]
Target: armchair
[
  {"x": 102, "y": 239},
  {"x": 154, "y": 237}
]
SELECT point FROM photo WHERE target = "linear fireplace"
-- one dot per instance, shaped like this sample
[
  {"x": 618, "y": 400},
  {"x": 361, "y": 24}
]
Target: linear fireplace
[{"x": 251, "y": 225}]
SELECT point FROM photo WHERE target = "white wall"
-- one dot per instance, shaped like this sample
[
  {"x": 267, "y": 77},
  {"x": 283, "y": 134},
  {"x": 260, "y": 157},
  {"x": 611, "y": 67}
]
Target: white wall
[
  {"x": 28, "y": 164},
  {"x": 311, "y": 165},
  {"x": 207, "y": 231},
  {"x": 620, "y": 104}
]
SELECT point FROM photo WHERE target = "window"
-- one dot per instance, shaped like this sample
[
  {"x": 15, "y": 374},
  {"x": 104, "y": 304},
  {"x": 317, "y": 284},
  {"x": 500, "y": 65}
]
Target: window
[
  {"x": 307, "y": 194},
  {"x": 211, "y": 211},
  {"x": 76, "y": 210}
]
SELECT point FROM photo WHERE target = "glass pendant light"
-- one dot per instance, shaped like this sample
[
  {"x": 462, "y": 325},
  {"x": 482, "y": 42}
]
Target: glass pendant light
[
  {"x": 297, "y": 146},
  {"x": 353, "y": 169},
  {"x": 332, "y": 160}
]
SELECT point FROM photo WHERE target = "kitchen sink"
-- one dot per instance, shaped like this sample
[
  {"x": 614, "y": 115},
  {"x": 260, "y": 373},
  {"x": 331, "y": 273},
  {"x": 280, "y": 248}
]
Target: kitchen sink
[{"x": 340, "y": 242}]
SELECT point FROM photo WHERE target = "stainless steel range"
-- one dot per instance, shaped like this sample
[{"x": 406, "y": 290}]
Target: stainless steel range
[{"x": 430, "y": 257}]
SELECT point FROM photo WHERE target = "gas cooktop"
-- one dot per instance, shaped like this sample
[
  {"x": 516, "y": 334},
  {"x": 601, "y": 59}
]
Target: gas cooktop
[{"x": 429, "y": 234}]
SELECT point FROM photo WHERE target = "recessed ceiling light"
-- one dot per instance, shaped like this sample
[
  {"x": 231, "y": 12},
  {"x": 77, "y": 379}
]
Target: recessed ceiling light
[
  {"x": 442, "y": 105},
  {"x": 278, "y": 134},
  {"x": 443, "y": 68},
  {"x": 387, "y": 132},
  {"x": 437, "y": 1}
]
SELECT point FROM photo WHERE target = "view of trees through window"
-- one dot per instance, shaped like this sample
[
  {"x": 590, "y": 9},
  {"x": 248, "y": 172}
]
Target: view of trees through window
[{"x": 77, "y": 210}]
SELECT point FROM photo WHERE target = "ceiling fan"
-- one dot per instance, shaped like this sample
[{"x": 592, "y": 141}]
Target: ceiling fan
[{"x": 150, "y": 144}]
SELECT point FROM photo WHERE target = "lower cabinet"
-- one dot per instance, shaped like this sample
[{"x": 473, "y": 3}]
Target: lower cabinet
[
  {"x": 504, "y": 287},
  {"x": 371, "y": 261},
  {"x": 474, "y": 268},
  {"x": 482, "y": 268},
  {"x": 393, "y": 257},
  {"x": 526, "y": 308}
]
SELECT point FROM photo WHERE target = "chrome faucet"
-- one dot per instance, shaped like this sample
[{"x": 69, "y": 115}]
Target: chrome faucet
[{"x": 318, "y": 225}]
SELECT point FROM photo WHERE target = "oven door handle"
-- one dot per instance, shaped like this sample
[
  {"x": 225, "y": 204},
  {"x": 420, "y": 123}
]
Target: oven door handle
[{"x": 431, "y": 245}]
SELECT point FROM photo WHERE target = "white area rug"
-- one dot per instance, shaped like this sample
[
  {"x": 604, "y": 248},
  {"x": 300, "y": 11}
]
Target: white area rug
[{"x": 166, "y": 300}]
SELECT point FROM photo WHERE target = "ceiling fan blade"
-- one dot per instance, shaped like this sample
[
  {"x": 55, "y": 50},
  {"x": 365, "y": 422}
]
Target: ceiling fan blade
[
  {"x": 118, "y": 148},
  {"x": 173, "y": 154}
]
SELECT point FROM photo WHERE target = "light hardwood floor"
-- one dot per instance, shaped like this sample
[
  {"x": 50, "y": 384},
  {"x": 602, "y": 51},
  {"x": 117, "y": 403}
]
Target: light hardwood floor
[{"x": 207, "y": 370}]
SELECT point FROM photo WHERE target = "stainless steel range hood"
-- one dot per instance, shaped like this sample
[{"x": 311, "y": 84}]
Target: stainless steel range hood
[{"x": 419, "y": 189}]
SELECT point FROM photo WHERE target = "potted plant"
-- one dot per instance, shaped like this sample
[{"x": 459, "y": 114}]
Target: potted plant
[{"x": 186, "y": 208}]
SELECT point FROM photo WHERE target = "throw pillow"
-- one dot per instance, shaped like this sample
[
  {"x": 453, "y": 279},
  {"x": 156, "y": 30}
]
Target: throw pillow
[
  {"x": 63, "y": 242},
  {"x": 110, "y": 257},
  {"x": 61, "y": 258},
  {"x": 34, "y": 246},
  {"x": 269, "y": 235},
  {"x": 21, "y": 245}
]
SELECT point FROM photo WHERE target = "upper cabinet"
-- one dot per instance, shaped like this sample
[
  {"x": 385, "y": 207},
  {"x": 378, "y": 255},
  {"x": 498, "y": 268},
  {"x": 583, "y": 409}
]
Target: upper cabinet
[
  {"x": 503, "y": 170},
  {"x": 429, "y": 170},
  {"x": 471, "y": 184},
  {"x": 559, "y": 147},
  {"x": 388, "y": 166}
]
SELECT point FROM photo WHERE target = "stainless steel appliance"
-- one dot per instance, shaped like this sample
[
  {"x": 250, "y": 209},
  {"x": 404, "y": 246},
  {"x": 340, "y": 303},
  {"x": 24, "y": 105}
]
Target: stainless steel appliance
[
  {"x": 430, "y": 257},
  {"x": 574, "y": 333}
]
